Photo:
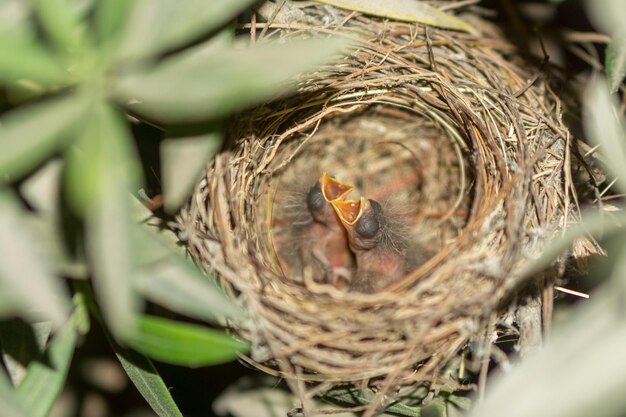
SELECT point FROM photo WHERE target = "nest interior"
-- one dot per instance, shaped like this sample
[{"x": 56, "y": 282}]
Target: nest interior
[{"x": 451, "y": 125}]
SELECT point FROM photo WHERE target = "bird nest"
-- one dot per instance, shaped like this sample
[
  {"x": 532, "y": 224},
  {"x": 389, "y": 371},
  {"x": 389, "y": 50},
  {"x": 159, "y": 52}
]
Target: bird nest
[{"x": 448, "y": 127}]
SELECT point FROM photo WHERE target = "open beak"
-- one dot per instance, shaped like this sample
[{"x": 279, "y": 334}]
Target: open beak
[
  {"x": 333, "y": 189},
  {"x": 349, "y": 211}
]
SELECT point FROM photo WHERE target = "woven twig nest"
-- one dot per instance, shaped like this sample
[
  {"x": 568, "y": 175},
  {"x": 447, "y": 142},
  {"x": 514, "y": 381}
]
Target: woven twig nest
[{"x": 449, "y": 124}]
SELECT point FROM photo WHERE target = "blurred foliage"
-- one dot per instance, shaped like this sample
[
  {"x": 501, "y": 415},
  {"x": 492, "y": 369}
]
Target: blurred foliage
[
  {"x": 608, "y": 17},
  {"x": 74, "y": 244},
  {"x": 406, "y": 11},
  {"x": 73, "y": 241}
]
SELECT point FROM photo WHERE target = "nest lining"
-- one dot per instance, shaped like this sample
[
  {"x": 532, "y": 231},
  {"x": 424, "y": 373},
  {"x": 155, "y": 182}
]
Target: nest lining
[{"x": 452, "y": 123}]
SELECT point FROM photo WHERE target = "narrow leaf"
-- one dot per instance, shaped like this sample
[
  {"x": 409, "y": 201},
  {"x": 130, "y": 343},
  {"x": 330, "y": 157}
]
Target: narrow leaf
[
  {"x": 9, "y": 404},
  {"x": 182, "y": 162},
  {"x": 608, "y": 15},
  {"x": 594, "y": 223},
  {"x": 606, "y": 128},
  {"x": 15, "y": 17},
  {"x": 581, "y": 372},
  {"x": 185, "y": 344},
  {"x": 197, "y": 86},
  {"x": 100, "y": 181},
  {"x": 258, "y": 397},
  {"x": 111, "y": 17},
  {"x": 102, "y": 157},
  {"x": 82, "y": 8},
  {"x": 178, "y": 286},
  {"x": 172, "y": 281},
  {"x": 435, "y": 408},
  {"x": 42, "y": 190},
  {"x": 45, "y": 377},
  {"x": 24, "y": 272},
  {"x": 8, "y": 305},
  {"x": 145, "y": 377},
  {"x": 161, "y": 25},
  {"x": 404, "y": 10},
  {"x": 354, "y": 396},
  {"x": 21, "y": 343},
  {"x": 49, "y": 234},
  {"x": 62, "y": 24},
  {"x": 111, "y": 253},
  {"x": 30, "y": 134},
  {"x": 81, "y": 319},
  {"x": 22, "y": 58},
  {"x": 616, "y": 61},
  {"x": 139, "y": 368}
]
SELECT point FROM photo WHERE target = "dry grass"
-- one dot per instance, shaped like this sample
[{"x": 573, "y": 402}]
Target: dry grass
[{"x": 451, "y": 124}]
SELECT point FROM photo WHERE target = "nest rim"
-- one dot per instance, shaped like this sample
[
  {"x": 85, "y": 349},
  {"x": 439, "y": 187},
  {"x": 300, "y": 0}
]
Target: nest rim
[{"x": 505, "y": 129}]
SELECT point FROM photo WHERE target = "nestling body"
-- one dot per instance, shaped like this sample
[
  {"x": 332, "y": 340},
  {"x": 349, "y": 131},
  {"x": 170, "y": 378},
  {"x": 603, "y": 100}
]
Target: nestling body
[
  {"x": 317, "y": 236},
  {"x": 380, "y": 243}
]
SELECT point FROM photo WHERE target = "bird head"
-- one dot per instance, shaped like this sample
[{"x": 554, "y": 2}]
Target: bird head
[
  {"x": 326, "y": 190},
  {"x": 362, "y": 220}
]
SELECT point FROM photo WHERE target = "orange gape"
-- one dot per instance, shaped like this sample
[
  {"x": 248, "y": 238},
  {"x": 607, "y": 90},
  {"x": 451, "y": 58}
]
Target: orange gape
[
  {"x": 348, "y": 210},
  {"x": 333, "y": 189},
  {"x": 335, "y": 243}
]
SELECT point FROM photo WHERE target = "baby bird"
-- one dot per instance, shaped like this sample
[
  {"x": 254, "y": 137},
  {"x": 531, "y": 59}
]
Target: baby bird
[
  {"x": 380, "y": 243},
  {"x": 317, "y": 235}
]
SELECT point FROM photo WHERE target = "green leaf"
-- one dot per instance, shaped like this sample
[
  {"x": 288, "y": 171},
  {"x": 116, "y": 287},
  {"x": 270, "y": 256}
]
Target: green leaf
[
  {"x": 100, "y": 175},
  {"x": 82, "y": 8},
  {"x": 259, "y": 396},
  {"x": 435, "y": 408},
  {"x": 595, "y": 223},
  {"x": 62, "y": 24},
  {"x": 111, "y": 252},
  {"x": 15, "y": 17},
  {"x": 184, "y": 344},
  {"x": 9, "y": 404},
  {"x": 354, "y": 396},
  {"x": 197, "y": 85},
  {"x": 30, "y": 134},
  {"x": 182, "y": 162},
  {"x": 21, "y": 343},
  {"x": 580, "y": 372},
  {"x": 8, "y": 305},
  {"x": 42, "y": 189},
  {"x": 141, "y": 371},
  {"x": 172, "y": 281},
  {"x": 24, "y": 272},
  {"x": 460, "y": 403},
  {"x": 102, "y": 158},
  {"x": 139, "y": 368},
  {"x": 161, "y": 25},
  {"x": 606, "y": 128},
  {"x": 22, "y": 58},
  {"x": 81, "y": 314},
  {"x": 404, "y": 10},
  {"x": 48, "y": 231},
  {"x": 111, "y": 17},
  {"x": 608, "y": 15},
  {"x": 46, "y": 376},
  {"x": 616, "y": 61}
]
